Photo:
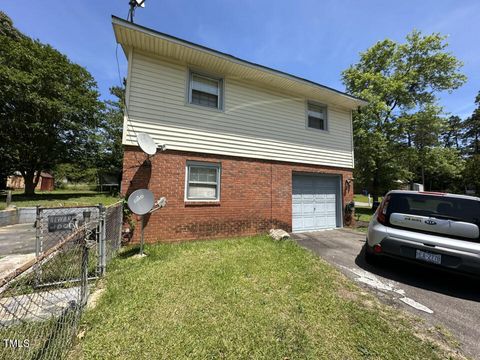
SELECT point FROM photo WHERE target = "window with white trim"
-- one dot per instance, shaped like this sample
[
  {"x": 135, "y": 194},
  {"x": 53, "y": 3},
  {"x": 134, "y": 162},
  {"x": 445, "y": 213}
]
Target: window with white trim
[
  {"x": 316, "y": 116},
  {"x": 205, "y": 91},
  {"x": 203, "y": 181}
]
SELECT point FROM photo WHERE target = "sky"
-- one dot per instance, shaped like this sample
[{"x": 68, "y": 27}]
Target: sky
[{"x": 312, "y": 39}]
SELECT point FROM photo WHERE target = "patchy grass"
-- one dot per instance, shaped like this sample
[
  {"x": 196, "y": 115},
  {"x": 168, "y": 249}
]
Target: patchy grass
[
  {"x": 237, "y": 299},
  {"x": 47, "y": 339},
  {"x": 62, "y": 198},
  {"x": 363, "y": 198},
  {"x": 363, "y": 214}
]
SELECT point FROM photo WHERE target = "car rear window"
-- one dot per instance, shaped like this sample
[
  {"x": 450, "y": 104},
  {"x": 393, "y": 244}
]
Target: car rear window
[
  {"x": 453, "y": 208},
  {"x": 440, "y": 207}
]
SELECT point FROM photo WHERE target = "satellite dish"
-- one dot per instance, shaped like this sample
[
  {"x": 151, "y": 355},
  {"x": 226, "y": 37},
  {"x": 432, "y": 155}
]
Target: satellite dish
[
  {"x": 141, "y": 201},
  {"x": 146, "y": 143}
]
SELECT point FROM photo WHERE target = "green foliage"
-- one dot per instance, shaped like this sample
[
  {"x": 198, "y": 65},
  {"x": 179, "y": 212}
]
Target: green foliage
[
  {"x": 74, "y": 173},
  {"x": 472, "y": 129},
  {"x": 454, "y": 132},
  {"x": 444, "y": 169},
  {"x": 128, "y": 216},
  {"x": 48, "y": 105},
  {"x": 402, "y": 120},
  {"x": 472, "y": 172},
  {"x": 109, "y": 134}
]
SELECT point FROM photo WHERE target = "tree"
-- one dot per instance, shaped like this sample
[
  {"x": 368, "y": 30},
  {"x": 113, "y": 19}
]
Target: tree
[
  {"x": 472, "y": 129},
  {"x": 110, "y": 130},
  {"x": 423, "y": 131},
  {"x": 101, "y": 152},
  {"x": 453, "y": 133},
  {"x": 48, "y": 104},
  {"x": 472, "y": 139},
  {"x": 398, "y": 81},
  {"x": 444, "y": 168},
  {"x": 472, "y": 172}
]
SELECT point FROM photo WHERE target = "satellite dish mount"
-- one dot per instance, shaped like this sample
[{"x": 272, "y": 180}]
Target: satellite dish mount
[{"x": 133, "y": 5}]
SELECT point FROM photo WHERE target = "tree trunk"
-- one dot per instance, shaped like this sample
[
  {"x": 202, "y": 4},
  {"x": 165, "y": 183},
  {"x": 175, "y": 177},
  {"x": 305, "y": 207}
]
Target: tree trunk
[{"x": 31, "y": 181}]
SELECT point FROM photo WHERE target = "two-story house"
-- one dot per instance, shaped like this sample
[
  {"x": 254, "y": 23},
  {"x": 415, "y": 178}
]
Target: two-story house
[{"x": 249, "y": 148}]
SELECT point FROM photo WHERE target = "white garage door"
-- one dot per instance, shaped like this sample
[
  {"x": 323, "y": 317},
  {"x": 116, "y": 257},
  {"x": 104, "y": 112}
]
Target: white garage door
[{"x": 315, "y": 202}]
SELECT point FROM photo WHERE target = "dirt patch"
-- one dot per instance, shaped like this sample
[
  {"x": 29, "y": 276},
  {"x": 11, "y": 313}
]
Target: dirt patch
[{"x": 94, "y": 297}]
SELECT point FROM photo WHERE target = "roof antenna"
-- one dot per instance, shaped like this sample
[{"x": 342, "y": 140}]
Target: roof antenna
[{"x": 133, "y": 5}]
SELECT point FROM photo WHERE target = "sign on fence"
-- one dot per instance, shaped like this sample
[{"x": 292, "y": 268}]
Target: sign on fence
[{"x": 60, "y": 222}]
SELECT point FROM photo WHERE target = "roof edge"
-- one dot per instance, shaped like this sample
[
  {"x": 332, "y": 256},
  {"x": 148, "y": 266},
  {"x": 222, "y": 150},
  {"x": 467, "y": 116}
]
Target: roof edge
[{"x": 119, "y": 21}]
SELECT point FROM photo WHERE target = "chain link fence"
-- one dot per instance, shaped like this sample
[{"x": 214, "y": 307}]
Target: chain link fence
[{"x": 42, "y": 300}]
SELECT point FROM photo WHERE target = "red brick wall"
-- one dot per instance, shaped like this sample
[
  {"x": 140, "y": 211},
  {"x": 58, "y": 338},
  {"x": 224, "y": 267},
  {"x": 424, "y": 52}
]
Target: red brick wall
[{"x": 255, "y": 195}]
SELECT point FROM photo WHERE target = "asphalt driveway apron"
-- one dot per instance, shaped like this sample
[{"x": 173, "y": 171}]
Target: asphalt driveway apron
[{"x": 449, "y": 300}]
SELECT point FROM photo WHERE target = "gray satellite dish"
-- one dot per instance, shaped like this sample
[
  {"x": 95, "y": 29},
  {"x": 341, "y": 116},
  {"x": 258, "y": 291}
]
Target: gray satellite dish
[
  {"x": 146, "y": 143},
  {"x": 141, "y": 201}
]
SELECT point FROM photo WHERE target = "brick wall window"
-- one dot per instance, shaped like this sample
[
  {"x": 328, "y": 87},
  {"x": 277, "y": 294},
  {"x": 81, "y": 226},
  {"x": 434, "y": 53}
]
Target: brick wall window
[{"x": 202, "y": 181}]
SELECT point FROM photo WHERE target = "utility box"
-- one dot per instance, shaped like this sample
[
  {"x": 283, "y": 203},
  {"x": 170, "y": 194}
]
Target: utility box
[{"x": 417, "y": 187}]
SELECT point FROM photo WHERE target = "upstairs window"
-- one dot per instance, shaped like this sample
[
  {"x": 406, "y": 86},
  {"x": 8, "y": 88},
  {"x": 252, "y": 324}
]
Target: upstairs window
[
  {"x": 205, "y": 91},
  {"x": 203, "y": 181},
  {"x": 316, "y": 116}
]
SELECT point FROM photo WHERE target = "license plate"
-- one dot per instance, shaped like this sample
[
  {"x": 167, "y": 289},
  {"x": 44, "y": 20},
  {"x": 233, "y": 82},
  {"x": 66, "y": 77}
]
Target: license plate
[{"x": 428, "y": 257}]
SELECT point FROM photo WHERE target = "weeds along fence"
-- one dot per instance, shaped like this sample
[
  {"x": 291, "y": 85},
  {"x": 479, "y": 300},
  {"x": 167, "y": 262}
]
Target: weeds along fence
[{"x": 41, "y": 301}]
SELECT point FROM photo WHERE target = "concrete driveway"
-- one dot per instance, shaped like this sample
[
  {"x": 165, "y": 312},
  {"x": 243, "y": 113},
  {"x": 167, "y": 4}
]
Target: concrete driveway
[
  {"x": 17, "y": 246},
  {"x": 441, "y": 298},
  {"x": 17, "y": 239}
]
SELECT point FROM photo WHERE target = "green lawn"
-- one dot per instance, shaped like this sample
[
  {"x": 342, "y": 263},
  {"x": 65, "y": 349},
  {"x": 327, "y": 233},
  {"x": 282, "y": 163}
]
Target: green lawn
[
  {"x": 363, "y": 213},
  {"x": 248, "y": 298},
  {"x": 363, "y": 198},
  {"x": 363, "y": 216},
  {"x": 61, "y": 198}
]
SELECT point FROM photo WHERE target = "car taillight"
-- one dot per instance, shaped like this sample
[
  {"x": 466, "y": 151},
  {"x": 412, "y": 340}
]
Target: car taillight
[{"x": 382, "y": 211}]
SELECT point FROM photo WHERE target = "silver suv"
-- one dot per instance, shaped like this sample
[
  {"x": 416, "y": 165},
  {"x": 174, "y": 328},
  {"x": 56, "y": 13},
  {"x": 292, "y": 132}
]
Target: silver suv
[{"x": 427, "y": 227}]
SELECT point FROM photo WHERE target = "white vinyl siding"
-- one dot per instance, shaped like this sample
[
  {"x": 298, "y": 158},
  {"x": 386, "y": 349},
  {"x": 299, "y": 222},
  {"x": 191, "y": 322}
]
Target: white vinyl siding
[
  {"x": 203, "y": 182},
  {"x": 256, "y": 122}
]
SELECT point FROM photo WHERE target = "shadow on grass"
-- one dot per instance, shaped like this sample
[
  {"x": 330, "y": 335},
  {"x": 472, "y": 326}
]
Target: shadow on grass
[
  {"x": 127, "y": 253},
  {"x": 364, "y": 211}
]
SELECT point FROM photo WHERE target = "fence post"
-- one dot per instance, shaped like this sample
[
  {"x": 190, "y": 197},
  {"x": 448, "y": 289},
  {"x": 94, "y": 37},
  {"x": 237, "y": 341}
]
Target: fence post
[
  {"x": 84, "y": 273},
  {"x": 102, "y": 234},
  {"x": 9, "y": 198},
  {"x": 119, "y": 228},
  {"x": 38, "y": 243}
]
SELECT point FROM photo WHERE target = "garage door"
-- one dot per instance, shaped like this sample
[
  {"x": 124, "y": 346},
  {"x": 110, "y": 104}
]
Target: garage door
[{"x": 315, "y": 202}]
